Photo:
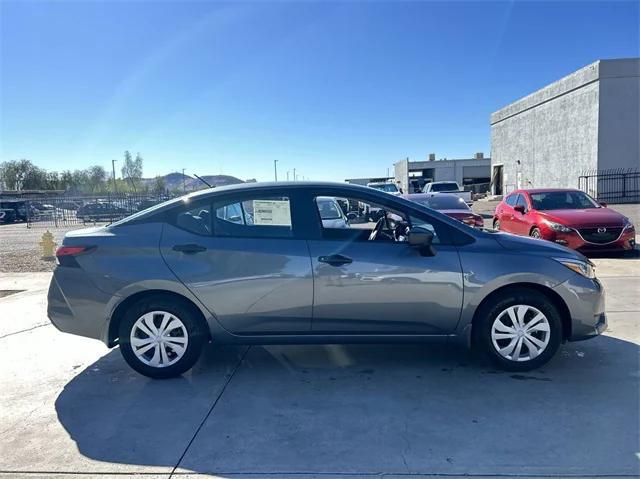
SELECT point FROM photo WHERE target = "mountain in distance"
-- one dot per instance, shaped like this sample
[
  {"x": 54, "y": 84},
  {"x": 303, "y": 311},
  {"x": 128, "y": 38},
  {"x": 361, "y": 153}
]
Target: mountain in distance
[{"x": 174, "y": 181}]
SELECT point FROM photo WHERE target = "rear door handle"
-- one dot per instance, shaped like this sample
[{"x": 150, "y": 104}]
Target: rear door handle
[
  {"x": 189, "y": 248},
  {"x": 335, "y": 259}
]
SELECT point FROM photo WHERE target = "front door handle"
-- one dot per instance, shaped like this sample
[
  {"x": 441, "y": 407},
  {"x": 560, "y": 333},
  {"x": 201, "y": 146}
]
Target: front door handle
[
  {"x": 189, "y": 248},
  {"x": 335, "y": 259}
]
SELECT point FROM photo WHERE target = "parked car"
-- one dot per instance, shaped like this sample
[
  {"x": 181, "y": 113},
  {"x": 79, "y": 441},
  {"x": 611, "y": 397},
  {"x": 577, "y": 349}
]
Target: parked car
[
  {"x": 565, "y": 216},
  {"x": 22, "y": 210},
  {"x": 100, "y": 212},
  {"x": 331, "y": 213},
  {"x": 387, "y": 187},
  {"x": 7, "y": 215},
  {"x": 448, "y": 187},
  {"x": 165, "y": 281},
  {"x": 449, "y": 205}
]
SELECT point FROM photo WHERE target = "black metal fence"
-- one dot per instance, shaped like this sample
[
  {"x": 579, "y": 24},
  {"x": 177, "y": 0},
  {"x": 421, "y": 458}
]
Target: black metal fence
[
  {"x": 612, "y": 186},
  {"x": 71, "y": 210}
]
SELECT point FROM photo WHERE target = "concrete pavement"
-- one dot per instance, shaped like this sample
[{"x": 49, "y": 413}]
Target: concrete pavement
[{"x": 70, "y": 406}]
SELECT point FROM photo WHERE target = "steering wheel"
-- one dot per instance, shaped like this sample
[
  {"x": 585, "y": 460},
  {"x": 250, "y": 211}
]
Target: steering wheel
[{"x": 378, "y": 228}]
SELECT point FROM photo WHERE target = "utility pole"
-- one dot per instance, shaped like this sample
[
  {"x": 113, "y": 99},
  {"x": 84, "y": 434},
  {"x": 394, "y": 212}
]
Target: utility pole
[
  {"x": 287, "y": 175},
  {"x": 294, "y": 174},
  {"x": 113, "y": 168},
  {"x": 275, "y": 168},
  {"x": 184, "y": 182}
]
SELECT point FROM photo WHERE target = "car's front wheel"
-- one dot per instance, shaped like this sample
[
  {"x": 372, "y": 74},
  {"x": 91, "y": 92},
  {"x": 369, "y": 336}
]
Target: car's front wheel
[
  {"x": 518, "y": 330},
  {"x": 161, "y": 338}
]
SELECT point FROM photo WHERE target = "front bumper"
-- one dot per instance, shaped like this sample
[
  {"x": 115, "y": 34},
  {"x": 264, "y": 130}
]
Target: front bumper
[
  {"x": 625, "y": 242},
  {"x": 585, "y": 299}
]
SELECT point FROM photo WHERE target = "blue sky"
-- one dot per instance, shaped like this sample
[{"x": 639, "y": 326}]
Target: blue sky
[{"x": 335, "y": 90}]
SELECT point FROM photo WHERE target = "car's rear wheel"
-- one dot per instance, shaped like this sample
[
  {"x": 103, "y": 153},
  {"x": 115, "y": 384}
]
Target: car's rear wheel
[
  {"x": 535, "y": 233},
  {"x": 518, "y": 330},
  {"x": 161, "y": 338},
  {"x": 496, "y": 224}
]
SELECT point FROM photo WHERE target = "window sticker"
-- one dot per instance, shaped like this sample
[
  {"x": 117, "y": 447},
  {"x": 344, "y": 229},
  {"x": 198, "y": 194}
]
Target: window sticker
[{"x": 271, "y": 212}]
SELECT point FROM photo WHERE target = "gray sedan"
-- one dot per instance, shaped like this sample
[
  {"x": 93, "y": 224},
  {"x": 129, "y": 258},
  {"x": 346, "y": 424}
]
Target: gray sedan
[{"x": 255, "y": 264}]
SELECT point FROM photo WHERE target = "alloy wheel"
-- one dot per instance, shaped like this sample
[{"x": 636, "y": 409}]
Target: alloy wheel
[
  {"x": 520, "y": 333},
  {"x": 159, "y": 339}
]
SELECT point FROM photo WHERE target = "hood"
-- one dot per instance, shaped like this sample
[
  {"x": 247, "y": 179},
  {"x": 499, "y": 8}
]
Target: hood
[
  {"x": 590, "y": 217},
  {"x": 532, "y": 245}
]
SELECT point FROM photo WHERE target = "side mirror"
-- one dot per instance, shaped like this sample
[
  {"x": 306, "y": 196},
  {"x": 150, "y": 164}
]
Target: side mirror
[
  {"x": 603, "y": 204},
  {"x": 520, "y": 209},
  {"x": 423, "y": 239}
]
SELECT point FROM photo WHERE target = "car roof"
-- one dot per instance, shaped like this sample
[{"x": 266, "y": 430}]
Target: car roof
[
  {"x": 279, "y": 185},
  {"x": 542, "y": 190}
]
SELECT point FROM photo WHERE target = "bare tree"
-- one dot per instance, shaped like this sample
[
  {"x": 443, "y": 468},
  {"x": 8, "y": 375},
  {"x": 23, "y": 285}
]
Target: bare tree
[{"x": 132, "y": 169}]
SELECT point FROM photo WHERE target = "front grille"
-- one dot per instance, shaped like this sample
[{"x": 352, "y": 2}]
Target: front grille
[{"x": 593, "y": 236}]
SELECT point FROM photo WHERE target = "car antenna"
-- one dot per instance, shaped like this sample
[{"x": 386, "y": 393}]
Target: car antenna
[{"x": 203, "y": 181}]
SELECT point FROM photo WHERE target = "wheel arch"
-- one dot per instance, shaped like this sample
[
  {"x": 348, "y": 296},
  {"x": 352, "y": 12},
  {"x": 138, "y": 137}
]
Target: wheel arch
[
  {"x": 121, "y": 308},
  {"x": 555, "y": 298}
]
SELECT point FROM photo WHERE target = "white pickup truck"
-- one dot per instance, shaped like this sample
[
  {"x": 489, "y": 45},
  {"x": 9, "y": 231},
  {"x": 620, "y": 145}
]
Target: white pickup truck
[{"x": 448, "y": 187}]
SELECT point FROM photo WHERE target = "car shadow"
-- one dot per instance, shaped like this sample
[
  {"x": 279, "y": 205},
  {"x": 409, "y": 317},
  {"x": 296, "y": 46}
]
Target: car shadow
[{"x": 363, "y": 408}]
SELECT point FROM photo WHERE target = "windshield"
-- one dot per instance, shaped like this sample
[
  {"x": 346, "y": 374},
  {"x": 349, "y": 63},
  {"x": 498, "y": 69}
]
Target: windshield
[
  {"x": 444, "y": 202},
  {"x": 562, "y": 200},
  {"x": 329, "y": 210},
  {"x": 444, "y": 187},
  {"x": 388, "y": 187}
]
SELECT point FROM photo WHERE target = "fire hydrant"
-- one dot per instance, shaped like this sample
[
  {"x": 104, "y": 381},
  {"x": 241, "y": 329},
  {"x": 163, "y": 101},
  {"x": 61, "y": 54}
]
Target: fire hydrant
[{"x": 48, "y": 245}]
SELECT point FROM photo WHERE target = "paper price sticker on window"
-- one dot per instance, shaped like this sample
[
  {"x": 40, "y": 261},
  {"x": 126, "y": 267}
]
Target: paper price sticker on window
[{"x": 271, "y": 212}]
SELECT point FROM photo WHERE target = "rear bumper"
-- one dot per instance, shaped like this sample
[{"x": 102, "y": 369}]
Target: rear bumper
[
  {"x": 77, "y": 307},
  {"x": 585, "y": 299}
]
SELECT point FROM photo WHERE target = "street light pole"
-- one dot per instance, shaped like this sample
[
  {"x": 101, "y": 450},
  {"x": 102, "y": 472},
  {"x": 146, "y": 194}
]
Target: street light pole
[
  {"x": 294, "y": 174},
  {"x": 113, "y": 169},
  {"x": 275, "y": 168}
]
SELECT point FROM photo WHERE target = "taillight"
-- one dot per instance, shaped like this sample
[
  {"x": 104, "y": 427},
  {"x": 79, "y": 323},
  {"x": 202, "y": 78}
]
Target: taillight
[
  {"x": 66, "y": 255},
  {"x": 71, "y": 250}
]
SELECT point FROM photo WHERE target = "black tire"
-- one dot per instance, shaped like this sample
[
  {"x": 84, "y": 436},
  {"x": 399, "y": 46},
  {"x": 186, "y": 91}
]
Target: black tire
[
  {"x": 489, "y": 312},
  {"x": 496, "y": 225},
  {"x": 186, "y": 313},
  {"x": 535, "y": 233}
]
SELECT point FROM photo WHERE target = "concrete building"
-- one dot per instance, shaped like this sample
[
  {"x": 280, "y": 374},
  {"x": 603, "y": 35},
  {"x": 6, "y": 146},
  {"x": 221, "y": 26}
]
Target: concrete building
[
  {"x": 588, "y": 120},
  {"x": 471, "y": 173}
]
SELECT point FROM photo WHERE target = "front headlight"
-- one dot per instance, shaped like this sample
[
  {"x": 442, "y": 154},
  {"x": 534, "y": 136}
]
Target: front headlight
[
  {"x": 558, "y": 227},
  {"x": 584, "y": 268},
  {"x": 628, "y": 224}
]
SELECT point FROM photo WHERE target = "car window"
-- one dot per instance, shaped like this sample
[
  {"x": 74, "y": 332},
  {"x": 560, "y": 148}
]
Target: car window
[
  {"x": 521, "y": 201},
  {"x": 195, "y": 220},
  {"x": 359, "y": 218},
  {"x": 562, "y": 200},
  {"x": 262, "y": 217},
  {"x": 511, "y": 200},
  {"x": 443, "y": 202}
]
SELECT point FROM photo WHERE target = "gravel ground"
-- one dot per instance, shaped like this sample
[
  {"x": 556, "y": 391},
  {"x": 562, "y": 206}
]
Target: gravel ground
[
  {"x": 20, "y": 251},
  {"x": 19, "y": 248}
]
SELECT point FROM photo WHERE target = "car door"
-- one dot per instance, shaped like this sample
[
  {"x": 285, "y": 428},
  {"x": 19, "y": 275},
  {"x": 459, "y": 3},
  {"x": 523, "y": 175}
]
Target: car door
[
  {"x": 520, "y": 220},
  {"x": 240, "y": 257},
  {"x": 506, "y": 213},
  {"x": 382, "y": 286}
]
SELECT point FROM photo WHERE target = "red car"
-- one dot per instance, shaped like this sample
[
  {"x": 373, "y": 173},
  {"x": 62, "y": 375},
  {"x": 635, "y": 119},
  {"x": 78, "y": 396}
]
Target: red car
[
  {"x": 449, "y": 205},
  {"x": 567, "y": 217}
]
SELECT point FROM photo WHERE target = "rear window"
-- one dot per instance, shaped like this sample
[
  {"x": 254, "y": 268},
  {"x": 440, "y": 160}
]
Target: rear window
[
  {"x": 444, "y": 202},
  {"x": 444, "y": 187}
]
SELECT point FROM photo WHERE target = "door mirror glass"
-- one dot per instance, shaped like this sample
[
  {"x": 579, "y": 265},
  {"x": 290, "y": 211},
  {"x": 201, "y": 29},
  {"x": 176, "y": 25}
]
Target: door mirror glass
[{"x": 520, "y": 209}]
